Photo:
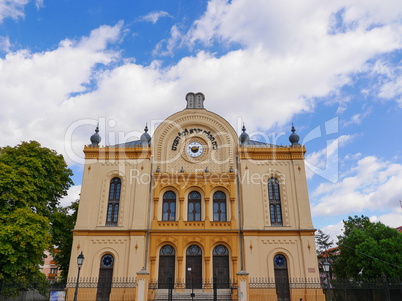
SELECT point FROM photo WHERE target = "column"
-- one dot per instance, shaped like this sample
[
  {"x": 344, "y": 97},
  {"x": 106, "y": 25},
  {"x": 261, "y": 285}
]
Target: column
[
  {"x": 142, "y": 285},
  {"x": 234, "y": 265},
  {"x": 232, "y": 210},
  {"x": 181, "y": 200},
  {"x": 207, "y": 209},
  {"x": 179, "y": 272},
  {"x": 243, "y": 286},
  {"x": 155, "y": 209},
  {"x": 153, "y": 260}
]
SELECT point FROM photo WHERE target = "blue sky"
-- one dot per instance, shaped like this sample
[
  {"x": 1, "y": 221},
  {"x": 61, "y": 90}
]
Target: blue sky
[{"x": 333, "y": 68}]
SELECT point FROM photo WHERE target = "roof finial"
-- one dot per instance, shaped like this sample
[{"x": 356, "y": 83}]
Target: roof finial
[
  {"x": 244, "y": 137},
  {"x": 96, "y": 138},
  {"x": 145, "y": 137},
  {"x": 294, "y": 138}
]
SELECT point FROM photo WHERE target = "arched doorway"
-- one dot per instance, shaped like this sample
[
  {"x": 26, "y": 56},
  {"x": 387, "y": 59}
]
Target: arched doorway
[
  {"x": 221, "y": 266},
  {"x": 281, "y": 278},
  {"x": 166, "y": 267},
  {"x": 193, "y": 267},
  {"x": 105, "y": 278}
]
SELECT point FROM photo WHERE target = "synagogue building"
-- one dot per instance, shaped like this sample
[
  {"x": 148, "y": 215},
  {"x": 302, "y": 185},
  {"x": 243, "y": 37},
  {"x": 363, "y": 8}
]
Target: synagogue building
[{"x": 195, "y": 204}]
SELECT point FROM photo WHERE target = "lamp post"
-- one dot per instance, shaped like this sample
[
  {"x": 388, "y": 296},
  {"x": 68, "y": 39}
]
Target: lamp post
[
  {"x": 80, "y": 261},
  {"x": 326, "y": 266},
  {"x": 192, "y": 295}
]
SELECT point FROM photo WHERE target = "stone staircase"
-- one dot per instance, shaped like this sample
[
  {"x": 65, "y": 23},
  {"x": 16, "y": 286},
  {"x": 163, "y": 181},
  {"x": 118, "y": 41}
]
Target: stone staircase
[{"x": 200, "y": 295}]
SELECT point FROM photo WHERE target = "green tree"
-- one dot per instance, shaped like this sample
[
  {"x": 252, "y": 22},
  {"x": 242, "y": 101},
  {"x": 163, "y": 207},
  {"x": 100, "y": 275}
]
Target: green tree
[
  {"x": 32, "y": 181},
  {"x": 368, "y": 250},
  {"x": 323, "y": 242},
  {"x": 23, "y": 237},
  {"x": 63, "y": 222}
]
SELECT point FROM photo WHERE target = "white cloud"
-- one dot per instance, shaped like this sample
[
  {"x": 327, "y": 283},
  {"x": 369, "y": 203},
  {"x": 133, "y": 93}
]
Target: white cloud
[
  {"x": 392, "y": 220},
  {"x": 36, "y": 87},
  {"x": 325, "y": 162},
  {"x": 153, "y": 17},
  {"x": 12, "y": 9},
  {"x": 372, "y": 184},
  {"x": 333, "y": 231},
  {"x": 288, "y": 57},
  {"x": 358, "y": 117},
  {"x": 5, "y": 44},
  {"x": 167, "y": 46},
  {"x": 73, "y": 194},
  {"x": 39, "y": 4},
  {"x": 285, "y": 27}
]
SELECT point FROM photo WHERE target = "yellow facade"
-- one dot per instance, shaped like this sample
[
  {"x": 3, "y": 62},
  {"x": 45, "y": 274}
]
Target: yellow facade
[{"x": 195, "y": 153}]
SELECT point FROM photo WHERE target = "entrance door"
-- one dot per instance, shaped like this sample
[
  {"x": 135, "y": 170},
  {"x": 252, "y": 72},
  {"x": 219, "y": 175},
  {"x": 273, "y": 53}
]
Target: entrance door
[
  {"x": 281, "y": 278},
  {"x": 105, "y": 278},
  {"x": 221, "y": 267},
  {"x": 194, "y": 267},
  {"x": 166, "y": 267}
]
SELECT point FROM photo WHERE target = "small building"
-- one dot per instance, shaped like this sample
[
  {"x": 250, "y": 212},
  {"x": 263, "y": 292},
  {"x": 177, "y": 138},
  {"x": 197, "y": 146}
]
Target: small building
[
  {"x": 196, "y": 203},
  {"x": 50, "y": 268}
]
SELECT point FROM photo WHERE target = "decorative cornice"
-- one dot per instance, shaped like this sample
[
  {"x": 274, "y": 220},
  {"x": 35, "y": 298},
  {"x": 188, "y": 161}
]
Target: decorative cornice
[
  {"x": 279, "y": 232},
  {"x": 194, "y": 178},
  {"x": 109, "y": 232},
  {"x": 117, "y": 153},
  {"x": 274, "y": 153}
]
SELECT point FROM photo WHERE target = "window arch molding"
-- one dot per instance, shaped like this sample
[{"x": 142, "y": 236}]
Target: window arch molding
[
  {"x": 159, "y": 213},
  {"x": 167, "y": 243},
  {"x": 194, "y": 243},
  {"x": 221, "y": 243},
  {"x": 219, "y": 205},
  {"x": 96, "y": 261},
  {"x": 186, "y": 203},
  {"x": 289, "y": 258}
]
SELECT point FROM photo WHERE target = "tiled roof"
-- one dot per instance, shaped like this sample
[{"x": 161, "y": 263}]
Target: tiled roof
[
  {"x": 129, "y": 144},
  {"x": 251, "y": 143}
]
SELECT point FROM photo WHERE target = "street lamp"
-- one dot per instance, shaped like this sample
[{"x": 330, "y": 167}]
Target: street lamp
[
  {"x": 192, "y": 295},
  {"x": 80, "y": 261},
  {"x": 326, "y": 266}
]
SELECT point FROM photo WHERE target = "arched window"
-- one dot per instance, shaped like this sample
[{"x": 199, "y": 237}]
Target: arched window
[
  {"x": 219, "y": 205},
  {"x": 194, "y": 206},
  {"x": 274, "y": 202},
  {"x": 105, "y": 278},
  {"x": 113, "y": 203},
  {"x": 281, "y": 278},
  {"x": 169, "y": 206}
]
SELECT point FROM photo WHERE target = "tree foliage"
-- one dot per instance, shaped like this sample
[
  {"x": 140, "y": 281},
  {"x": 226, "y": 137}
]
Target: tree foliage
[
  {"x": 323, "y": 242},
  {"x": 24, "y": 236},
  {"x": 63, "y": 222},
  {"x": 32, "y": 181},
  {"x": 368, "y": 250}
]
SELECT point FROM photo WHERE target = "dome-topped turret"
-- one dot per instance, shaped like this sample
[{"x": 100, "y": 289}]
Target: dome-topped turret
[
  {"x": 145, "y": 137},
  {"x": 294, "y": 138},
  {"x": 244, "y": 137},
  {"x": 95, "y": 138}
]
